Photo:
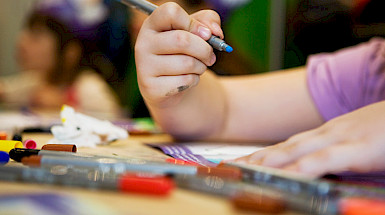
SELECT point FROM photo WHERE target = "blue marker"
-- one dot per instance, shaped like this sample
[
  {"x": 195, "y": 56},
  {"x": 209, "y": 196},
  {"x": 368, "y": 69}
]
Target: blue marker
[
  {"x": 4, "y": 157},
  {"x": 148, "y": 8}
]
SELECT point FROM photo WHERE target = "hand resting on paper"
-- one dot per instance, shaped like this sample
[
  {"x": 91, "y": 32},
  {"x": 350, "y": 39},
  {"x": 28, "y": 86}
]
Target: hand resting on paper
[{"x": 351, "y": 142}]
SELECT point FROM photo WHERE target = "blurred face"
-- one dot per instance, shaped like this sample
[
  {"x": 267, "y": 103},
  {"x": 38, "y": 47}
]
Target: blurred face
[{"x": 36, "y": 49}]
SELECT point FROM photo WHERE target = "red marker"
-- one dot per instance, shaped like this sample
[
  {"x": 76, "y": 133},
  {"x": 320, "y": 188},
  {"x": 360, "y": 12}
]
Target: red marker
[
  {"x": 181, "y": 162},
  {"x": 92, "y": 178},
  {"x": 145, "y": 183}
]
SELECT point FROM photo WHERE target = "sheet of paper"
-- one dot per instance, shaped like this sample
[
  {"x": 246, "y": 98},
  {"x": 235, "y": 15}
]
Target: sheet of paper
[{"x": 201, "y": 152}]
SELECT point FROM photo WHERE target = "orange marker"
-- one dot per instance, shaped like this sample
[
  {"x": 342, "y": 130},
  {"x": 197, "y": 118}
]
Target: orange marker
[
  {"x": 362, "y": 206},
  {"x": 3, "y": 135}
]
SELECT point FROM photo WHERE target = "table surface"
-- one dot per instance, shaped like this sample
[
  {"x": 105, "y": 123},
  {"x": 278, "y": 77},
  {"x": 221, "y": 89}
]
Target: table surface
[{"x": 180, "y": 201}]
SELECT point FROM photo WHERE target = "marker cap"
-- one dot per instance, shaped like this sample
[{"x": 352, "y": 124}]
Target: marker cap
[
  {"x": 222, "y": 171},
  {"x": 229, "y": 49},
  {"x": 362, "y": 206},
  {"x": 259, "y": 203},
  {"x": 3, "y": 135},
  {"x": 30, "y": 144},
  {"x": 146, "y": 183},
  {"x": 4, "y": 157},
  {"x": 7, "y": 145},
  {"x": 17, "y": 137},
  {"x": 60, "y": 147},
  {"x": 33, "y": 160}
]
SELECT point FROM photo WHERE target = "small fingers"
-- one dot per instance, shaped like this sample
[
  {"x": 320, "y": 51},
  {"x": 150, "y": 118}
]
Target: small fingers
[
  {"x": 172, "y": 65},
  {"x": 211, "y": 19},
  {"x": 170, "y": 16},
  {"x": 288, "y": 153},
  {"x": 337, "y": 158},
  {"x": 276, "y": 155},
  {"x": 182, "y": 42}
]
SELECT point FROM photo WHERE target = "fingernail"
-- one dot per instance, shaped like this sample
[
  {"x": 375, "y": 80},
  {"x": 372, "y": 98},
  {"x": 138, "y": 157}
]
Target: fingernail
[
  {"x": 204, "y": 32},
  {"x": 216, "y": 28}
]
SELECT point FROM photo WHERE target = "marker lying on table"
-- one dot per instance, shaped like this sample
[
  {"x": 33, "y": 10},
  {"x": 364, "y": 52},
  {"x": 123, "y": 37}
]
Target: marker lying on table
[
  {"x": 296, "y": 184},
  {"x": 17, "y": 135},
  {"x": 4, "y": 157},
  {"x": 18, "y": 153},
  {"x": 258, "y": 197},
  {"x": 30, "y": 144},
  {"x": 148, "y": 8},
  {"x": 118, "y": 166},
  {"x": 266, "y": 199},
  {"x": 50, "y": 149},
  {"x": 3, "y": 135},
  {"x": 283, "y": 180},
  {"x": 8, "y": 145},
  {"x": 65, "y": 175}
]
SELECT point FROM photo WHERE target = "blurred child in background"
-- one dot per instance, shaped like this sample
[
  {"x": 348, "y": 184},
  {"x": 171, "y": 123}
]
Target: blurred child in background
[{"x": 59, "y": 61}]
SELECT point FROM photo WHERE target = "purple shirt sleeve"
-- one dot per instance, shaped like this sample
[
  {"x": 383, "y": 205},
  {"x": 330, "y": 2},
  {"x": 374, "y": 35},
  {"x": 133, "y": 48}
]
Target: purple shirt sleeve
[{"x": 348, "y": 79}]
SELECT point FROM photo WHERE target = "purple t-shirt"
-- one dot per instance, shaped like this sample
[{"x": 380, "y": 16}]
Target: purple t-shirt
[{"x": 348, "y": 79}]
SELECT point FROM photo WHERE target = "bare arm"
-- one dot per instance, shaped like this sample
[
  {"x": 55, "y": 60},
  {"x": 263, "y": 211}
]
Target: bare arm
[
  {"x": 189, "y": 103},
  {"x": 269, "y": 107}
]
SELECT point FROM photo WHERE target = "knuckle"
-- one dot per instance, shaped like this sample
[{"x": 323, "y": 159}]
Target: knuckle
[
  {"x": 209, "y": 14},
  {"x": 172, "y": 9},
  {"x": 208, "y": 54},
  {"x": 189, "y": 80},
  {"x": 213, "y": 15},
  {"x": 182, "y": 40},
  {"x": 188, "y": 64}
]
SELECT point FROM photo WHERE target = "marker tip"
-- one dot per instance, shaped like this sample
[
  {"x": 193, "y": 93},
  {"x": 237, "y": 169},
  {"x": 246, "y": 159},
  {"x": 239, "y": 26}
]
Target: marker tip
[{"x": 229, "y": 49}]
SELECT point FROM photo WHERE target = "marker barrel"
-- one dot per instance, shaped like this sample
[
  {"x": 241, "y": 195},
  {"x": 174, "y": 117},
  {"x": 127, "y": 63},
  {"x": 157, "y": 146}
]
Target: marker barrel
[
  {"x": 93, "y": 179},
  {"x": 118, "y": 166},
  {"x": 285, "y": 181},
  {"x": 259, "y": 197}
]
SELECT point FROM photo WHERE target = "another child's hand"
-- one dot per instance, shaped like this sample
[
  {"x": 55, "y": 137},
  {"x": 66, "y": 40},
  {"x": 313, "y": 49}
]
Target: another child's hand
[
  {"x": 354, "y": 142},
  {"x": 171, "y": 52}
]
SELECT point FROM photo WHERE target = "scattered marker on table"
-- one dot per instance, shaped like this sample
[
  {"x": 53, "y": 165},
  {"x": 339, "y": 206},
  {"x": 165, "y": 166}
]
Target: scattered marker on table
[
  {"x": 4, "y": 158},
  {"x": 8, "y": 145},
  {"x": 30, "y": 144}
]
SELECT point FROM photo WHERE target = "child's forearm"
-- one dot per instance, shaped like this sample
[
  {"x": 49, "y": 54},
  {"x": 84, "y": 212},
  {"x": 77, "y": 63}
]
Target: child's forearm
[{"x": 199, "y": 114}]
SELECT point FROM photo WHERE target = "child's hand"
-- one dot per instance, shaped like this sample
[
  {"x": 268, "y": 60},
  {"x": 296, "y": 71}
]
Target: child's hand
[
  {"x": 171, "y": 52},
  {"x": 355, "y": 142}
]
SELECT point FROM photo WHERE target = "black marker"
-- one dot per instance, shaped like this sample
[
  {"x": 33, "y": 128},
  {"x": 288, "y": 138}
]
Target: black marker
[{"x": 17, "y": 135}]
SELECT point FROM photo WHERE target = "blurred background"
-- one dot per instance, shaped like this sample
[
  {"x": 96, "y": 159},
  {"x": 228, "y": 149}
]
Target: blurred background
[{"x": 267, "y": 35}]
